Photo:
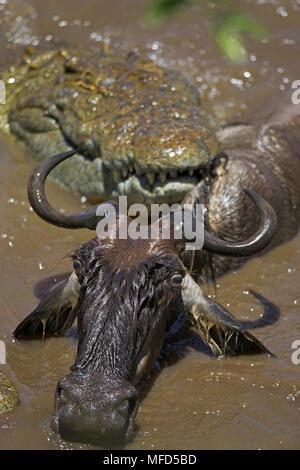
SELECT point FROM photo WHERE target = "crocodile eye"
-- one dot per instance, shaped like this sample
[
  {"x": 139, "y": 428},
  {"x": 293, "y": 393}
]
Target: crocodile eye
[
  {"x": 76, "y": 264},
  {"x": 176, "y": 279}
]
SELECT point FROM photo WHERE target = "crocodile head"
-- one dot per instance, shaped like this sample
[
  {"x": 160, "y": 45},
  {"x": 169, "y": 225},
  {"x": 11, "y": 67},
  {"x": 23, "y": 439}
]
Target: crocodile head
[{"x": 136, "y": 126}]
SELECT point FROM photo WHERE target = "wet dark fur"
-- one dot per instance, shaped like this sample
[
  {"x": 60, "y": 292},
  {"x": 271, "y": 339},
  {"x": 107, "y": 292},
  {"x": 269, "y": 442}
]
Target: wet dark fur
[{"x": 117, "y": 295}]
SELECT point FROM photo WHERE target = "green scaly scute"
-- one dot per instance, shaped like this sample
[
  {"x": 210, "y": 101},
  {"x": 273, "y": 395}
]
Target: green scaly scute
[{"x": 9, "y": 397}]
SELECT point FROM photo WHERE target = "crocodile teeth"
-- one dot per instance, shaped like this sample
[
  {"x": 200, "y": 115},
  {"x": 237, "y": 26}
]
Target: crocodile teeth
[
  {"x": 162, "y": 177},
  {"x": 124, "y": 172},
  {"x": 173, "y": 173},
  {"x": 191, "y": 172},
  {"x": 151, "y": 177},
  {"x": 116, "y": 175},
  {"x": 137, "y": 170}
]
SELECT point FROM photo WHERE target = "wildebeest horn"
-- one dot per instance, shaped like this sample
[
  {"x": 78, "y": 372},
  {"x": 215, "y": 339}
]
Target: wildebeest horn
[
  {"x": 89, "y": 219},
  {"x": 40, "y": 204},
  {"x": 217, "y": 327},
  {"x": 257, "y": 242}
]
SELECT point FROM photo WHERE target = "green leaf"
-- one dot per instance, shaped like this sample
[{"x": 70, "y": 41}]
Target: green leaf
[
  {"x": 243, "y": 23},
  {"x": 159, "y": 11},
  {"x": 229, "y": 34},
  {"x": 231, "y": 44},
  {"x": 228, "y": 29}
]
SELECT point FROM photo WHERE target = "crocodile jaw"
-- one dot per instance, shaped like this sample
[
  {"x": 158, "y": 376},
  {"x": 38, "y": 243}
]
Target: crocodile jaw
[{"x": 97, "y": 182}]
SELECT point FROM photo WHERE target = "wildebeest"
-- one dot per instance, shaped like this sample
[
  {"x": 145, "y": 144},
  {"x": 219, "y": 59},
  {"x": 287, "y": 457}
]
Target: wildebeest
[{"x": 126, "y": 292}]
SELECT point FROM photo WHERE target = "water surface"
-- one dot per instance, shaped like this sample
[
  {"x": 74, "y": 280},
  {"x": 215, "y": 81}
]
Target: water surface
[{"x": 192, "y": 401}]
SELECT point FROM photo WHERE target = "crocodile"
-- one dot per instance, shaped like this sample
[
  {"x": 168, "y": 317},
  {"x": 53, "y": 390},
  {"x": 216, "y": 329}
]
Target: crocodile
[{"x": 137, "y": 127}]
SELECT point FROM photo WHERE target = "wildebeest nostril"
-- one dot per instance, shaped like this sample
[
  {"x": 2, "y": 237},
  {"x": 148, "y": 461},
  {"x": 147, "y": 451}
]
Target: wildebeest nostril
[
  {"x": 62, "y": 394},
  {"x": 119, "y": 416},
  {"x": 94, "y": 421},
  {"x": 79, "y": 424}
]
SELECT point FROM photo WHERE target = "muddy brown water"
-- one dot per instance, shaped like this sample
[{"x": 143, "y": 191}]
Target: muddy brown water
[{"x": 192, "y": 401}]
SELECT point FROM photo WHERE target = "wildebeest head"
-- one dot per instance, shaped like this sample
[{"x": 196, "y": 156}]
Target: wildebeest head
[{"x": 124, "y": 293}]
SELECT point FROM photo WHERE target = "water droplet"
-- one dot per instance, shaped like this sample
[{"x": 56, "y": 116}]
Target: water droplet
[{"x": 281, "y": 11}]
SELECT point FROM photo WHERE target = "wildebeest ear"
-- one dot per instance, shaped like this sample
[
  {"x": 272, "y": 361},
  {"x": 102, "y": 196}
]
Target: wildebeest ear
[
  {"x": 217, "y": 327},
  {"x": 54, "y": 314}
]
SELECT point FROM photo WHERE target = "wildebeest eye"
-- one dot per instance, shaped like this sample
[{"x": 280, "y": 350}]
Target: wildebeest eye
[
  {"x": 176, "y": 279},
  {"x": 76, "y": 264}
]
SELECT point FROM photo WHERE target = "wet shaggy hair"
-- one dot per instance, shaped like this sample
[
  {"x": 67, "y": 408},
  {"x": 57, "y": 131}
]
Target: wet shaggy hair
[{"x": 119, "y": 302}]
